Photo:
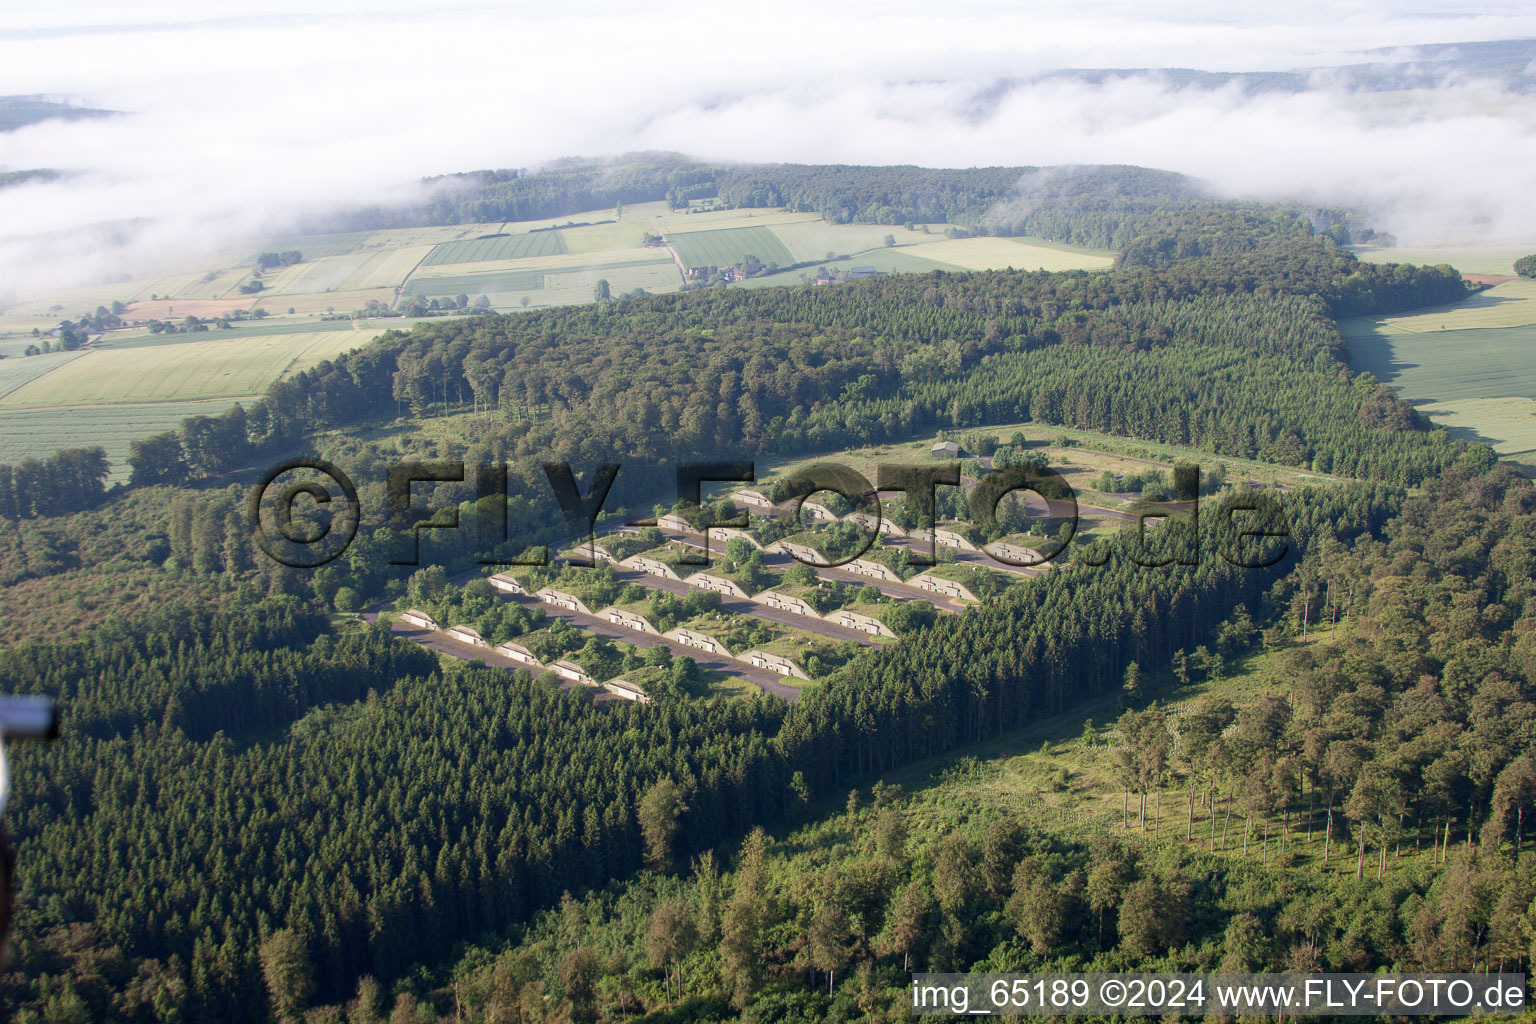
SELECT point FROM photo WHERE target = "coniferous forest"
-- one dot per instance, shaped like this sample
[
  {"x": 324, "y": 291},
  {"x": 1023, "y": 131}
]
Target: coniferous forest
[{"x": 263, "y": 810}]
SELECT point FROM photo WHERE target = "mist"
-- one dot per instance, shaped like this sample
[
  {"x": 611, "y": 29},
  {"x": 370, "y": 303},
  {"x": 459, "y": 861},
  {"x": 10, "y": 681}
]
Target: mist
[{"x": 240, "y": 125}]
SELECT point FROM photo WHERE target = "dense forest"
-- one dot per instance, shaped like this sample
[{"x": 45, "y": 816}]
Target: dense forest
[
  {"x": 259, "y": 808},
  {"x": 1406, "y": 743}
]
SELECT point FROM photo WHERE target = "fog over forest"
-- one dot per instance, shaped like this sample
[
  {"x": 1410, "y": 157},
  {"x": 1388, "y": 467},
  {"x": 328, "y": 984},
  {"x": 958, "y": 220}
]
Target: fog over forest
[{"x": 239, "y": 123}]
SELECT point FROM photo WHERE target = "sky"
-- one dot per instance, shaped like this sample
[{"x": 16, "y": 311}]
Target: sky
[{"x": 244, "y": 120}]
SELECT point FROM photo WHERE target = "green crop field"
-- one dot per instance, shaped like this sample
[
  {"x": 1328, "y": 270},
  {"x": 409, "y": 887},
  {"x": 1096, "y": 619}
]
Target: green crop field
[
  {"x": 890, "y": 261},
  {"x": 505, "y": 247},
  {"x": 1480, "y": 384},
  {"x": 18, "y": 371},
  {"x": 813, "y": 239},
  {"x": 1511, "y": 304},
  {"x": 572, "y": 286},
  {"x": 213, "y": 368},
  {"x": 729, "y": 246},
  {"x": 1451, "y": 365},
  {"x": 1491, "y": 260},
  {"x": 36, "y": 433},
  {"x": 476, "y": 284},
  {"x": 142, "y": 338},
  {"x": 314, "y": 247}
]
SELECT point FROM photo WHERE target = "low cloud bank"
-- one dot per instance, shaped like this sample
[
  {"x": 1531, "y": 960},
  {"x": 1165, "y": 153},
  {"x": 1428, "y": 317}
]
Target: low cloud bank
[{"x": 240, "y": 127}]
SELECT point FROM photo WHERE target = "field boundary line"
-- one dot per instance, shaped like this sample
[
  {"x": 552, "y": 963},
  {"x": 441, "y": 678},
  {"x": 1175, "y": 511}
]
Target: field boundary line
[{"x": 400, "y": 288}]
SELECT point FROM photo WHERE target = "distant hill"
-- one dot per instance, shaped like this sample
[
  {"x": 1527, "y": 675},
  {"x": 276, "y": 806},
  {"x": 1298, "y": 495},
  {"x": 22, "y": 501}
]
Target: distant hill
[
  {"x": 20, "y": 111},
  {"x": 9, "y": 178}
]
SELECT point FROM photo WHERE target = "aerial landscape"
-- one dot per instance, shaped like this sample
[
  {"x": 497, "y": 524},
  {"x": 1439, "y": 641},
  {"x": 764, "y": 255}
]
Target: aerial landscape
[{"x": 831, "y": 517}]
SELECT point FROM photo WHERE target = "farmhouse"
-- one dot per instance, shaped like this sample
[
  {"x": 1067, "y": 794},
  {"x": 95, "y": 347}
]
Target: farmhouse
[
  {"x": 419, "y": 619},
  {"x": 719, "y": 584},
  {"x": 508, "y": 584},
  {"x": 774, "y": 663},
  {"x": 874, "y": 570},
  {"x": 693, "y": 274},
  {"x": 951, "y": 539},
  {"x": 750, "y": 497},
  {"x": 940, "y": 585},
  {"x": 628, "y": 619},
  {"x": 785, "y": 603},
  {"x": 626, "y": 690},
  {"x": 518, "y": 653},
  {"x": 650, "y": 566},
  {"x": 861, "y": 272},
  {"x": 699, "y": 641},
  {"x": 946, "y": 450},
  {"x": 864, "y": 623},
  {"x": 467, "y": 635},
  {"x": 572, "y": 672},
  {"x": 560, "y": 599}
]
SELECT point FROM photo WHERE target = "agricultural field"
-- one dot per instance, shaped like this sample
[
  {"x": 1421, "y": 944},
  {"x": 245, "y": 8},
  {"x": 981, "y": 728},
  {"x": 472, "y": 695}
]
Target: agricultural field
[
  {"x": 215, "y": 368},
  {"x": 399, "y": 238},
  {"x": 359, "y": 271},
  {"x": 728, "y": 246},
  {"x": 573, "y": 286},
  {"x": 1469, "y": 365},
  {"x": 314, "y": 247},
  {"x": 551, "y": 263},
  {"x": 812, "y": 238},
  {"x": 1478, "y": 260},
  {"x": 18, "y": 371},
  {"x": 324, "y": 274},
  {"x": 476, "y": 284},
  {"x": 501, "y": 247},
  {"x": 668, "y": 221},
  {"x": 601, "y": 238},
  {"x": 222, "y": 284},
  {"x": 36, "y": 433},
  {"x": 1508, "y": 424},
  {"x": 1508, "y": 304},
  {"x": 889, "y": 261},
  {"x": 1020, "y": 254},
  {"x": 1449, "y": 365},
  {"x": 386, "y": 269}
]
